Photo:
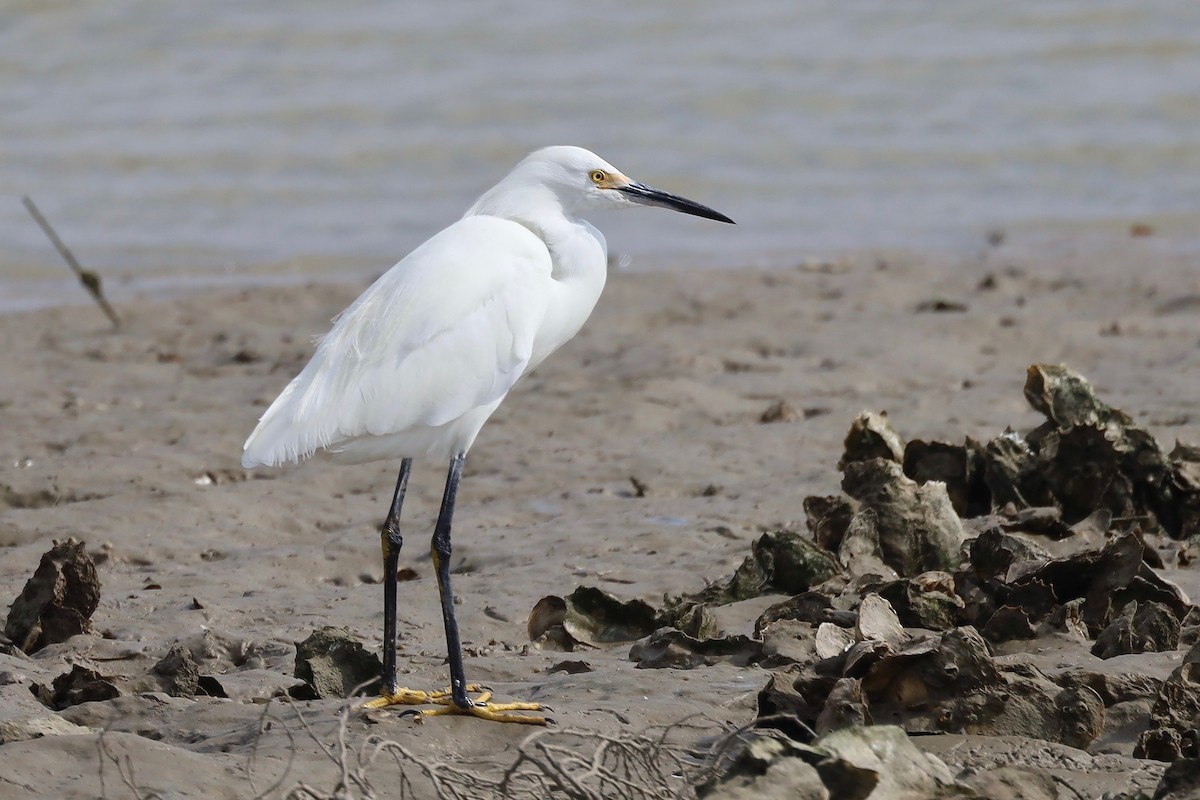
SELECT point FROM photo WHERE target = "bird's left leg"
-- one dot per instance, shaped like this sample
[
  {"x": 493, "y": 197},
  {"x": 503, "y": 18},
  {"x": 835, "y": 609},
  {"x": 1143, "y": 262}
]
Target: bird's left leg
[
  {"x": 460, "y": 703},
  {"x": 391, "y": 542}
]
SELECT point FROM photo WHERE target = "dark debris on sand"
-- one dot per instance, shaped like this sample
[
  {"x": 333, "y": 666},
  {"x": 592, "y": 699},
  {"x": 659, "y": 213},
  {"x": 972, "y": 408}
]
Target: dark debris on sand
[
  {"x": 58, "y": 600},
  {"x": 914, "y": 603},
  {"x": 912, "y": 597}
]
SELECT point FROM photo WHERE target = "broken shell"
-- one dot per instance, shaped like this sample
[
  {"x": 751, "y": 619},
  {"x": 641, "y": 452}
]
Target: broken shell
[
  {"x": 927, "y": 601},
  {"x": 690, "y": 617},
  {"x": 859, "y": 549},
  {"x": 877, "y": 621},
  {"x": 1008, "y": 623},
  {"x": 827, "y": 518},
  {"x": 846, "y": 707},
  {"x": 782, "y": 561},
  {"x": 545, "y": 625},
  {"x": 589, "y": 616},
  {"x": 960, "y": 467},
  {"x": 1066, "y": 397},
  {"x": 668, "y": 647},
  {"x": 1141, "y": 628},
  {"x": 918, "y": 529},
  {"x": 996, "y": 554},
  {"x": 832, "y": 641},
  {"x": 57, "y": 601},
  {"x": 1010, "y": 472},
  {"x": 1080, "y": 716},
  {"x": 871, "y": 436},
  {"x": 862, "y": 655},
  {"x": 334, "y": 663},
  {"x": 80, "y": 685},
  {"x": 1173, "y": 717},
  {"x": 811, "y": 607}
]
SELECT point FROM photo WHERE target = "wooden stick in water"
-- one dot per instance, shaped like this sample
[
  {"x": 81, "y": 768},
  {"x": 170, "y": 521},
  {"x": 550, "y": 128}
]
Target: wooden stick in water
[{"x": 89, "y": 279}]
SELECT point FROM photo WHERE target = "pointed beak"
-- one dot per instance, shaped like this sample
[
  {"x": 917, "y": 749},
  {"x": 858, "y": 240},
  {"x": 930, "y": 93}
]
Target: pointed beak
[{"x": 647, "y": 196}]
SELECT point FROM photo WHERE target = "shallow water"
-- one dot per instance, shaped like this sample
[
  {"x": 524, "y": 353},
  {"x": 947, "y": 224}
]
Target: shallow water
[{"x": 173, "y": 144}]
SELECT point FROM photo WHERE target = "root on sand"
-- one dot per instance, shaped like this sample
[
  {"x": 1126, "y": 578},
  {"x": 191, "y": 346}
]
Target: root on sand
[{"x": 654, "y": 764}]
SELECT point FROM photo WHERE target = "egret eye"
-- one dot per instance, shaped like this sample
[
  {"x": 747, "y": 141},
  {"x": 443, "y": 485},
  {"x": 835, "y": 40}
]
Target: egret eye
[{"x": 598, "y": 176}]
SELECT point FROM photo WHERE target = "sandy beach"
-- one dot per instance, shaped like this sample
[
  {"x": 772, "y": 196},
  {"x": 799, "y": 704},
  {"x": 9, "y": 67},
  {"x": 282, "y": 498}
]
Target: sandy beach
[{"x": 635, "y": 460}]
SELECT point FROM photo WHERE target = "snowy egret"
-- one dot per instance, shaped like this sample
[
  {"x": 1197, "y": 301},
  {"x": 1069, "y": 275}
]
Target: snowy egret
[{"x": 416, "y": 365}]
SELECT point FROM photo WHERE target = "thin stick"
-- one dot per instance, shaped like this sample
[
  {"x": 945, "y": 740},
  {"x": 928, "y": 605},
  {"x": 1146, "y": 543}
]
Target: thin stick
[{"x": 89, "y": 279}]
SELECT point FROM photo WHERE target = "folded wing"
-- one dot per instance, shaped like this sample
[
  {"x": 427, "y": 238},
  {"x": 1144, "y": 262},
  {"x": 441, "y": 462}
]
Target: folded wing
[{"x": 448, "y": 329}]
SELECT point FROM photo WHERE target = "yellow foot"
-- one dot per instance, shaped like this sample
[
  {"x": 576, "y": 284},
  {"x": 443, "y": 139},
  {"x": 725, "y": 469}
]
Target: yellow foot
[
  {"x": 480, "y": 706},
  {"x": 416, "y": 697}
]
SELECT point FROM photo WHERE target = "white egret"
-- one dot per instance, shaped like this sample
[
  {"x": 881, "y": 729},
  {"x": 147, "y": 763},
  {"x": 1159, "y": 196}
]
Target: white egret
[{"x": 416, "y": 365}]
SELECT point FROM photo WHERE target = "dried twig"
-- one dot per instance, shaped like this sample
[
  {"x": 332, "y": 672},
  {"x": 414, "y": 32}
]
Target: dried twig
[
  {"x": 355, "y": 777},
  {"x": 89, "y": 279},
  {"x": 655, "y": 764},
  {"x": 124, "y": 765},
  {"x": 264, "y": 724}
]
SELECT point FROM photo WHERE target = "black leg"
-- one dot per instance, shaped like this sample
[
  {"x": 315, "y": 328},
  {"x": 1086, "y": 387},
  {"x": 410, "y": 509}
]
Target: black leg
[
  {"x": 440, "y": 551},
  {"x": 392, "y": 542},
  {"x": 456, "y": 700}
]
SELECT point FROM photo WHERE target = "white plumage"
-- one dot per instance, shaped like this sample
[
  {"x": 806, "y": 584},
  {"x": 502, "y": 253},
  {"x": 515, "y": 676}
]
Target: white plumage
[
  {"x": 440, "y": 336},
  {"x": 416, "y": 365}
]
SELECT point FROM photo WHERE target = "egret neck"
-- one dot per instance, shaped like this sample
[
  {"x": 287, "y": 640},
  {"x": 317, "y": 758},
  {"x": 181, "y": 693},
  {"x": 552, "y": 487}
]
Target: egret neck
[{"x": 578, "y": 254}]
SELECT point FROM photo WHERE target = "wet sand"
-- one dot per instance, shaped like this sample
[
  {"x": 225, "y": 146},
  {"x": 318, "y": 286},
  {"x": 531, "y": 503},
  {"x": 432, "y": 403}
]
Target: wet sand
[{"x": 130, "y": 441}]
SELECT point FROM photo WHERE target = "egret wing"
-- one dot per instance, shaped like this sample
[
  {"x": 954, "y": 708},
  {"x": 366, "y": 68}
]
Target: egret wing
[{"x": 448, "y": 329}]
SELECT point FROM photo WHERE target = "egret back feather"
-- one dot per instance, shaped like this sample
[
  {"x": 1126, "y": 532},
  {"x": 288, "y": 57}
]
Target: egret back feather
[{"x": 447, "y": 330}]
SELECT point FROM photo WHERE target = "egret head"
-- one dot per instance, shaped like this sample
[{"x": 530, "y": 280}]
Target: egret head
[{"x": 583, "y": 180}]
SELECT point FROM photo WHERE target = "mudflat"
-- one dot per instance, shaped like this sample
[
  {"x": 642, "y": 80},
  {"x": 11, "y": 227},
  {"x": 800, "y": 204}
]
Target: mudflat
[{"x": 635, "y": 460}]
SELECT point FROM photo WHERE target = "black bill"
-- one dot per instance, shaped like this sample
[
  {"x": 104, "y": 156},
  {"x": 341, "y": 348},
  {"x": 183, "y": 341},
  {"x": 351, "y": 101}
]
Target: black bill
[{"x": 653, "y": 197}]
